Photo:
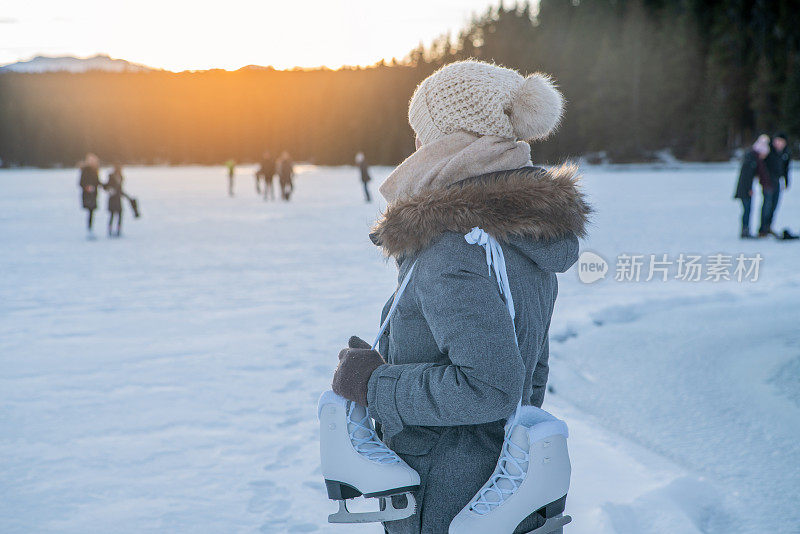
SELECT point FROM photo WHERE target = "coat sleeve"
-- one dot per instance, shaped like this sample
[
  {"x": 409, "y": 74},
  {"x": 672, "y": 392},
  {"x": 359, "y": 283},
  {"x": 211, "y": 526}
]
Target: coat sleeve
[
  {"x": 746, "y": 175},
  {"x": 787, "y": 164},
  {"x": 484, "y": 377},
  {"x": 540, "y": 374}
]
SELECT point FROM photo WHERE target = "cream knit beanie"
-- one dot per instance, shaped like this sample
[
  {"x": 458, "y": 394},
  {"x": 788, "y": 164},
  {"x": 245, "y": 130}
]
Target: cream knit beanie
[{"x": 484, "y": 99}]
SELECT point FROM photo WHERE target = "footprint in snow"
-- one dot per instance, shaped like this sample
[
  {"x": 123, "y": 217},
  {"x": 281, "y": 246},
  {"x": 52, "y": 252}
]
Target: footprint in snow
[
  {"x": 303, "y": 527},
  {"x": 261, "y": 500},
  {"x": 289, "y": 421},
  {"x": 561, "y": 337},
  {"x": 290, "y": 386},
  {"x": 316, "y": 486}
]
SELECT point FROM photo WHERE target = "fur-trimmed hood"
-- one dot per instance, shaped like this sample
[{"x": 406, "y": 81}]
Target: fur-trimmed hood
[{"x": 527, "y": 207}]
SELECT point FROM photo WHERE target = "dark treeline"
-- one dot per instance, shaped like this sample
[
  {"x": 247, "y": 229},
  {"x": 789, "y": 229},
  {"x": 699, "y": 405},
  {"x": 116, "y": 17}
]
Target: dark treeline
[{"x": 699, "y": 77}]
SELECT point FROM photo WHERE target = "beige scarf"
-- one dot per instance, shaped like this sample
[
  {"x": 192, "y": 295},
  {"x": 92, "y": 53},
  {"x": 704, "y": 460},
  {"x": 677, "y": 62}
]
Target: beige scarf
[{"x": 452, "y": 158}]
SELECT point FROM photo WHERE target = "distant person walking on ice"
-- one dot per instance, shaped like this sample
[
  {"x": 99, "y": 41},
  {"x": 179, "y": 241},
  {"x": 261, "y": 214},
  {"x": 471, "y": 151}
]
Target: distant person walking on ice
[
  {"x": 753, "y": 164},
  {"x": 286, "y": 174},
  {"x": 266, "y": 172},
  {"x": 361, "y": 161},
  {"x": 231, "y": 166},
  {"x": 457, "y": 379},
  {"x": 115, "y": 195},
  {"x": 777, "y": 161},
  {"x": 89, "y": 182}
]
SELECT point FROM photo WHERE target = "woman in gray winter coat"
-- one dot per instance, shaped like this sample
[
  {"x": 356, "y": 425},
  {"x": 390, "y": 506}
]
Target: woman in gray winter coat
[{"x": 449, "y": 370}]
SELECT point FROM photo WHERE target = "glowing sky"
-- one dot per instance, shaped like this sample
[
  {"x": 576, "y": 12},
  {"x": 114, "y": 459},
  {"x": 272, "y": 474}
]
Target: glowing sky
[{"x": 197, "y": 34}]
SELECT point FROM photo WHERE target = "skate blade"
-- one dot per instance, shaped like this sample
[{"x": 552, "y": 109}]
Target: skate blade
[
  {"x": 552, "y": 524},
  {"x": 390, "y": 513}
]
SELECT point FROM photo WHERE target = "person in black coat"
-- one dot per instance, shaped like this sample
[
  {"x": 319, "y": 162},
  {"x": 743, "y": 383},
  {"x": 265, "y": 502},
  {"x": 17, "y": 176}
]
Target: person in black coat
[
  {"x": 89, "y": 183},
  {"x": 361, "y": 161},
  {"x": 231, "y": 166},
  {"x": 778, "y": 166},
  {"x": 115, "y": 194},
  {"x": 266, "y": 172},
  {"x": 286, "y": 175},
  {"x": 753, "y": 165}
]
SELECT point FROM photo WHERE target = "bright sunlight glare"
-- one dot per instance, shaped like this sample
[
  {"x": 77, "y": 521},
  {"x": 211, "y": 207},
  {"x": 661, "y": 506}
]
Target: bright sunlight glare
[{"x": 189, "y": 35}]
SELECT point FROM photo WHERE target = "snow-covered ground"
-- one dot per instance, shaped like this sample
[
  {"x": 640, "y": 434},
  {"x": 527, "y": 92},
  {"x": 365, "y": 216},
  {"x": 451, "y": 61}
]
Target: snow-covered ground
[{"x": 167, "y": 381}]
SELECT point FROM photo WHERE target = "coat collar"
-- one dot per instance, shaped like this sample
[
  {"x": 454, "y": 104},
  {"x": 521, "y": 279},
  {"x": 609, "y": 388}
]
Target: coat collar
[{"x": 529, "y": 202}]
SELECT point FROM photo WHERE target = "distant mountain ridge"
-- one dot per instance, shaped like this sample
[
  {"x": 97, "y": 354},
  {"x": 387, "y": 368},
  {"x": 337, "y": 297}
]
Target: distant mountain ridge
[{"x": 74, "y": 64}]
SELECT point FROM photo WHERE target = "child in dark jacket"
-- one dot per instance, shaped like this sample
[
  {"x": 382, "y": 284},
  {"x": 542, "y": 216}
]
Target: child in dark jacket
[{"x": 115, "y": 194}]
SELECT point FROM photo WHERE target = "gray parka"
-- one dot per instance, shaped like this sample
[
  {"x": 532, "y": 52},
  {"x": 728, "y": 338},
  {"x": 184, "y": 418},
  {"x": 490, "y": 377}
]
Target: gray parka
[{"x": 454, "y": 371}]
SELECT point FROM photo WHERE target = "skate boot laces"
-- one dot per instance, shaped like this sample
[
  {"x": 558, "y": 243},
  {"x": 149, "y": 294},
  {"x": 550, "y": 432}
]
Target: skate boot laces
[
  {"x": 364, "y": 439},
  {"x": 506, "y": 479}
]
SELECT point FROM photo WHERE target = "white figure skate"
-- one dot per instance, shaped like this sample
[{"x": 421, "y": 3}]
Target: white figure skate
[
  {"x": 532, "y": 476},
  {"x": 356, "y": 462}
]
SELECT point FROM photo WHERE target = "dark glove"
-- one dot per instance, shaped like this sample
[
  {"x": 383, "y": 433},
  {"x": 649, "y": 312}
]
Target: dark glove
[{"x": 356, "y": 365}]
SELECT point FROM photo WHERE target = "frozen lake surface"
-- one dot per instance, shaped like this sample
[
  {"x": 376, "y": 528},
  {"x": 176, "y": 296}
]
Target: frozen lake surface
[{"x": 167, "y": 381}]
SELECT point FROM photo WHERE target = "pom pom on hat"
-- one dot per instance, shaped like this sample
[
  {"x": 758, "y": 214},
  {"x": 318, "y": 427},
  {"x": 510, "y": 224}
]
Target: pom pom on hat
[{"x": 536, "y": 108}]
